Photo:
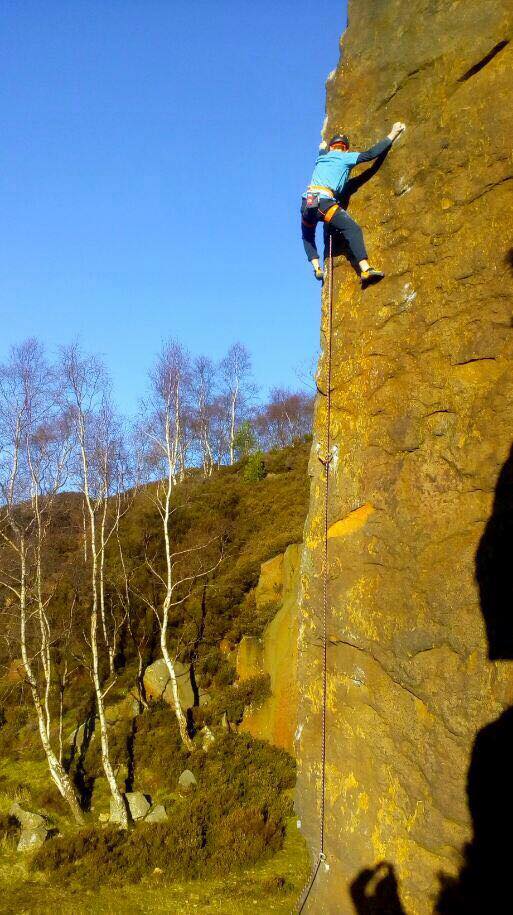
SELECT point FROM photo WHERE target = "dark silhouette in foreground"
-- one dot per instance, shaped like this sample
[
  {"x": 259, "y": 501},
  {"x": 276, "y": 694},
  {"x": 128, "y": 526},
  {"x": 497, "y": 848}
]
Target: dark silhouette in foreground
[
  {"x": 482, "y": 885},
  {"x": 375, "y": 891},
  {"x": 494, "y": 569}
]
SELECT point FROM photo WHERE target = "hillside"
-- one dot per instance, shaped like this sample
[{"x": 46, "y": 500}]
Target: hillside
[{"x": 235, "y": 814}]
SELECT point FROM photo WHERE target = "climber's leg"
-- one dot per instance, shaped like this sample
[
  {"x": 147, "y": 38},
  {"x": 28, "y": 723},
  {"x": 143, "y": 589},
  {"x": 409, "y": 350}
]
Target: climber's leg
[
  {"x": 309, "y": 220},
  {"x": 336, "y": 217}
]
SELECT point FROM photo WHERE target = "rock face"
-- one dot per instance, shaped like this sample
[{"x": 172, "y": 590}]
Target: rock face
[
  {"x": 421, "y": 506},
  {"x": 276, "y": 654}
]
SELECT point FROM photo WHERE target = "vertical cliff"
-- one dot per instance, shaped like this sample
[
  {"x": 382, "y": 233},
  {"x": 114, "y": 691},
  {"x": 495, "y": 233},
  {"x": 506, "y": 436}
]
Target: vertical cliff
[{"x": 421, "y": 509}]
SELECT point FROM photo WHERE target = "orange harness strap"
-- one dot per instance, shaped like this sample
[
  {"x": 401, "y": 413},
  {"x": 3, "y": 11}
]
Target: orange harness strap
[{"x": 329, "y": 214}]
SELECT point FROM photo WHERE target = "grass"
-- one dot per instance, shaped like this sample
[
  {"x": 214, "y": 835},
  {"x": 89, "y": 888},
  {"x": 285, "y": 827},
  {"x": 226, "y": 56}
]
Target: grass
[{"x": 270, "y": 886}]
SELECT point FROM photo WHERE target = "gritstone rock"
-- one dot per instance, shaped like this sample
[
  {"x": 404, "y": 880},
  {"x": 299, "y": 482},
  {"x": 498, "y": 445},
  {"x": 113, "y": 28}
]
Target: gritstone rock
[
  {"x": 207, "y": 738},
  {"x": 138, "y": 805},
  {"x": 420, "y": 625},
  {"x": 157, "y": 684},
  {"x": 186, "y": 782},
  {"x": 32, "y": 838},
  {"x": 26, "y": 818},
  {"x": 157, "y": 815}
]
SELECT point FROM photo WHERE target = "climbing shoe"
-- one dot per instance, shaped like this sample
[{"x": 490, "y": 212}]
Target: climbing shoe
[
  {"x": 319, "y": 274},
  {"x": 370, "y": 277}
]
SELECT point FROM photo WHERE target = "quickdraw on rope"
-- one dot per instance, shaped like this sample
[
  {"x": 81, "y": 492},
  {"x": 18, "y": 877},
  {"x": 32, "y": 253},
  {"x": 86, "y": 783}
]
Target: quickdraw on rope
[{"x": 325, "y": 461}]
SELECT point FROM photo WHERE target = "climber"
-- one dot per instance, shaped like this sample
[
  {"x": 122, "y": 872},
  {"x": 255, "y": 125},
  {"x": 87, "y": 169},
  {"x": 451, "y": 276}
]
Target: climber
[{"x": 319, "y": 202}]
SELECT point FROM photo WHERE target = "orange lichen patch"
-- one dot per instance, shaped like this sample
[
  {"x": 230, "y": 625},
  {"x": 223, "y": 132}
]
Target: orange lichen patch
[{"x": 354, "y": 521}]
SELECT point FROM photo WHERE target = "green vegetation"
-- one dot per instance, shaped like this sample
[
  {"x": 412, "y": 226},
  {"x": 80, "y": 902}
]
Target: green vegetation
[
  {"x": 271, "y": 886},
  {"x": 234, "y": 817},
  {"x": 228, "y": 834}
]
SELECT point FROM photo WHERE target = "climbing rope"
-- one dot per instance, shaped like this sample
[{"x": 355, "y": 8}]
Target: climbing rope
[{"x": 325, "y": 461}]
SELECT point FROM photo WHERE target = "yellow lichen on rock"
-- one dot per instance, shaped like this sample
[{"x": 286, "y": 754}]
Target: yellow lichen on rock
[{"x": 419, "y": 585}]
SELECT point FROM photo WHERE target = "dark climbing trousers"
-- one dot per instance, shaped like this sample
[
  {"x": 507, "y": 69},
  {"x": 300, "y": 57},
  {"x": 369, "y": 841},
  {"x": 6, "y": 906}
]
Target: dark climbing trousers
[{"x": 329, "y": 212}]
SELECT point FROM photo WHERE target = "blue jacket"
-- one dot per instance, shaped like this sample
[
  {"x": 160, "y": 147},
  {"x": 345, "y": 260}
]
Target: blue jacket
[{"x": 333, "y": 166}]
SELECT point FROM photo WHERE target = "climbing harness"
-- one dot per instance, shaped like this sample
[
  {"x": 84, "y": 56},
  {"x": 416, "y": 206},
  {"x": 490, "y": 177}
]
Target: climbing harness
[{"x": 325, "y": 461}]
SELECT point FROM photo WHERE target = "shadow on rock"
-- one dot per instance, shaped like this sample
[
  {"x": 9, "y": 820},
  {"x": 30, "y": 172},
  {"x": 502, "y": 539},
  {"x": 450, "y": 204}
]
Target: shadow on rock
[
  {"x": 509, "y": 259},
  {"x": 483, "y": 878},
  {"x": 351, "y": 187},
  {"x": 375, "y": 891},
  {"x": 494, "y": 569}
]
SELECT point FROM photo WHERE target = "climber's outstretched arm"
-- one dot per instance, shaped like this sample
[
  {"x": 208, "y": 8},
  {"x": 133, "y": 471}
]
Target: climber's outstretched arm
[
  {"x": 369, "y": 154},
  {"x": 383, "y": 145}
]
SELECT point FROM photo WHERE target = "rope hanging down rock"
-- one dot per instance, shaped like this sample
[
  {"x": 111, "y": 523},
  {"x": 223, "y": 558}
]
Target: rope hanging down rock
[{"x": 325, "y": 461}]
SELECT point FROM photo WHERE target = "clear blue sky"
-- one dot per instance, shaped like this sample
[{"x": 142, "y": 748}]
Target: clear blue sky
[{"x": 152, "y": 156}]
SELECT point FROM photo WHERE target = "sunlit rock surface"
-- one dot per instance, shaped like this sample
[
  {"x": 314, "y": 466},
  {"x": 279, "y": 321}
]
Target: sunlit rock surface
[
  {"x": 275, "y": 654},
  {"x": 421, "y": 508}
]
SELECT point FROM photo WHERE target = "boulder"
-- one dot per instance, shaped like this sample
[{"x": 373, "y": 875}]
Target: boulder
[
  {"x": 26, "y": 818},
  {"x": 138, "y": 805},
  {"x": 157, "y": 815},
  {"x": 186, "y": 782},
  {"x": 32, "y": 838},
  {"x": 207, "y": 738},
  {"x": 83, "y": 734},
  {"x": 157, "y": 684}
]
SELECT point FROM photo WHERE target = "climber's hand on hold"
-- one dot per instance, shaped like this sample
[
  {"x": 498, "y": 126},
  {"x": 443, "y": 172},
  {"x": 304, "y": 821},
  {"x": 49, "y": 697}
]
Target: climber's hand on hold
[{"x": 397, "y": 129}]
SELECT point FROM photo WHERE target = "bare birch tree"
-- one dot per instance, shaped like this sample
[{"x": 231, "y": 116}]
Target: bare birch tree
[
  {"x": 238, "y": 388},
  {"x": 34, "y": 452},
  {"x": 90, "y": 413},
  {"x": 203, "y": 390},
  {"x": 162, "y": 429}
]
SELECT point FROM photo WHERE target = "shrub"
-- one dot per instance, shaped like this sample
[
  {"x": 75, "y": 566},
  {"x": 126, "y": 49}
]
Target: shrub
[
  {"x": 235, "y": 817},
  {"x": 235, "y": 698},
  {"x": 254, "y": 469}
]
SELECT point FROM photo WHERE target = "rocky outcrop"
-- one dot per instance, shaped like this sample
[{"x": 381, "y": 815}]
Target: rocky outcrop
[
  {"x": 275, "y": 653},
  {"x": 421, "y": 507}
]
